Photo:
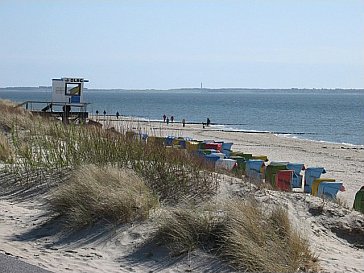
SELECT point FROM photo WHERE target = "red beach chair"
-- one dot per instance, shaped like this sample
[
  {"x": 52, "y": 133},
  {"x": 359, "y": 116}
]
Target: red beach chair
[{"x": 284, "y": 180}]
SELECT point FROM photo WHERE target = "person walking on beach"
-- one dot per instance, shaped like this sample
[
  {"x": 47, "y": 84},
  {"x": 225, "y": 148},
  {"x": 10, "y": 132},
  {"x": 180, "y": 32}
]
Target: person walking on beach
[
  {"x": 117, "y": 115},
  {"x": 167, "y": 121},
  {"x": 172, "y": 119},
  {"x": 208, "y": 122},
  {"x": 164, "y": 118},
  {"x": 183, "y": 122}
]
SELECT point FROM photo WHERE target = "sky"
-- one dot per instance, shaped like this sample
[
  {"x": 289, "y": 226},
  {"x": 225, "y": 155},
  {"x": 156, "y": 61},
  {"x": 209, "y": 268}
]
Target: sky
[{"x": 164, "y": 44}]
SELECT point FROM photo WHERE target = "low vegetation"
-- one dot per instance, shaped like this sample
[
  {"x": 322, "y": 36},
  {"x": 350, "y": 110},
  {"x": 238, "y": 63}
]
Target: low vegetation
[
  {"x": 102, "y": 193},
  {"x": 185, "y": 228},
  {"x": 171, "y": 173},
  {"x": 258, "y": 240},
  {"x": 12, "y": 115},
  {"x": 6, "y": 152},
  {"x": 242, "y": 233}
]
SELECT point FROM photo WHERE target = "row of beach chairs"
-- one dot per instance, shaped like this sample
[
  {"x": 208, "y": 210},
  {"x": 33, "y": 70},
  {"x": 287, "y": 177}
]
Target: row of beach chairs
[{"x": 284, "y": 176}]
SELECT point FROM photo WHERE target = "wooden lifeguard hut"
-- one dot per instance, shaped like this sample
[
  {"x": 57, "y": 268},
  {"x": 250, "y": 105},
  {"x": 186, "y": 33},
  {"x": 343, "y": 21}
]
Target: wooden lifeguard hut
[{"x": 67, "y": 101}]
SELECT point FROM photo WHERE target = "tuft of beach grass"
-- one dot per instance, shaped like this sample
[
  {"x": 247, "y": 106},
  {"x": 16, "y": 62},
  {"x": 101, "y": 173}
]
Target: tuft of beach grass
[
  {"x": 95, "y": 193},
  {"x": 6, "y": 151},
  {"x": 246, "y": 235}
]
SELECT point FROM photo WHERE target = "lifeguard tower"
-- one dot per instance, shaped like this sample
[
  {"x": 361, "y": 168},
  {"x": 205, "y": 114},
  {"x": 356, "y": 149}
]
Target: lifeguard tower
[
  {"x": 68, "y": 90},
  {"x": 67, "y": 101}
]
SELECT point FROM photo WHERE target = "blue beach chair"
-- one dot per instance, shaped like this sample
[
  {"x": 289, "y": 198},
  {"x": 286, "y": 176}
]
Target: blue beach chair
[
  {"x": 254, "y": 168},
  {"x": 330, "y": 189},
  {"x": 297, "y": 177},
  {"x": 311, "y": 174}
]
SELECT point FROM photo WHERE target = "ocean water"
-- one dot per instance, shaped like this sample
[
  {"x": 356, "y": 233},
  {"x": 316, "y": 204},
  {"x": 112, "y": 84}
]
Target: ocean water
[{"x": 320, "y": 115}]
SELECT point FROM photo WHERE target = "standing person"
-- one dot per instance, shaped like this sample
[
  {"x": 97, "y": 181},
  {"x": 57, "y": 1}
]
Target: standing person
[
  {"x": 117, "y": 115},
  {"x": 208, "y": 122},
  {"x": 183, "y": 122},
  {"x": 164, "y": 118},
  {"x": 172, "y": 119},
  {"x": 167, "y": 121}
]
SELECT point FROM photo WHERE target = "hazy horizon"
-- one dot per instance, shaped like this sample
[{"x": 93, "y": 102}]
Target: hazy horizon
[{"x": 184, "y": 88}]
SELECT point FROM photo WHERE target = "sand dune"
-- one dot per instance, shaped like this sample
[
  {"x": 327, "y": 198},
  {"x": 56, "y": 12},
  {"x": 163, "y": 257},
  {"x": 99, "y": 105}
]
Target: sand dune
[{"x": 335, "y": 233}]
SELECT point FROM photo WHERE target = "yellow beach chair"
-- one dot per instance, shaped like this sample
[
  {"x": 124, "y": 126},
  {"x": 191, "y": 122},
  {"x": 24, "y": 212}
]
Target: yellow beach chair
[
  {"x": 316, "y": 183},
  {"x": 192, "y": 145}
]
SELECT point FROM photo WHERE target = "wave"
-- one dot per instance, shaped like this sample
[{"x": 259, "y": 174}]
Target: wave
[
  {"x": 292, "y": 135},
  {"x": 360, "y": 146}
]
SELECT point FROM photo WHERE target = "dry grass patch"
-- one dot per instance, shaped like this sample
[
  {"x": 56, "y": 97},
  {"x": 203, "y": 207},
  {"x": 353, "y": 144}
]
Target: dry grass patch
[
  {"x": 6, "y": 152},
  {"x": 11, "y": 114},
  {"x": 242, "y": 233},
  {"x": 256, "y": 240},
  {"x": 184, "y": 229},
  {"x": 102, "y": 193}
]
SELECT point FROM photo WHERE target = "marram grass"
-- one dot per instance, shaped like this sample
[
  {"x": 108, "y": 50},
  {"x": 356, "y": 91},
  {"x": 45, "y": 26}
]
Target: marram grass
[
  {"x": 241, "y": 233},
  {"x": 96, "y": 193}
]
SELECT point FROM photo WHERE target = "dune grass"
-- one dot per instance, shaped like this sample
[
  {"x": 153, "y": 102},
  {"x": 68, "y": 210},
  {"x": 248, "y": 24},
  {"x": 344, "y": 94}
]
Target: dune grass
[
  {"x": 242, "y": 233},
  {"x": 172, "y": 174},
  {"x": 185, "y": 228},
  {"x": 11, "y": 114},
  {"x": 96, "y": 193},
  {"x": 6, "y": 152},
  {"x": 258, "y": 240}
]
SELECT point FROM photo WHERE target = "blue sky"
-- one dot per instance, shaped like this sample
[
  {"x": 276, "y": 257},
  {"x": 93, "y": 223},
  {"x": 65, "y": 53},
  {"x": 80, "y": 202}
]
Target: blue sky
[{"x": 166, "y": 44}]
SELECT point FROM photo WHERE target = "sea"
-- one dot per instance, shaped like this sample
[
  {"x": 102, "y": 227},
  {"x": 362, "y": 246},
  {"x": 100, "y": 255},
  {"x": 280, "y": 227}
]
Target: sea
[{"x": 327, "y": 115}]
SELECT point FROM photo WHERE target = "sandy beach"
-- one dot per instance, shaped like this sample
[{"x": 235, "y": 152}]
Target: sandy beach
[
  {"x": 333, "y": 234},
  {"x": 342, "y": 162}
]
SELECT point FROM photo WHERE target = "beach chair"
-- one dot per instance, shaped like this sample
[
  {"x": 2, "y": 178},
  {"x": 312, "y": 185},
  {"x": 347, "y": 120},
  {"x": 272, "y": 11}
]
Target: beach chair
[
  {"x": 215, "y": 146},
  {"x": 283, "y": 180},
  {"x": 213, "y": 157},
  {"x": 316, "y": 183},
  {"x": 182, "y": 143},
  {"x": 236, "y": 153},
  {"x": 207, "y": 151},
  {"x": 330, "y": 189},
  {"x": 311, "y": 174},
  {"x": 359, "y": 200},
  {"x": 241, "y": 163},
  {"x": 255, "y": 168},
  {"x": 169, "y": 140},
  {"x": 261, "y": 157},
  {"x": 271, "y": 171},
  {"x": 192, "y": 145},
  {"x": 227, "y": 145},
  {"x": 226, "y": 152},
  {"x": 297, "y": 177},
  {"x": 226, "y": 164}
]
